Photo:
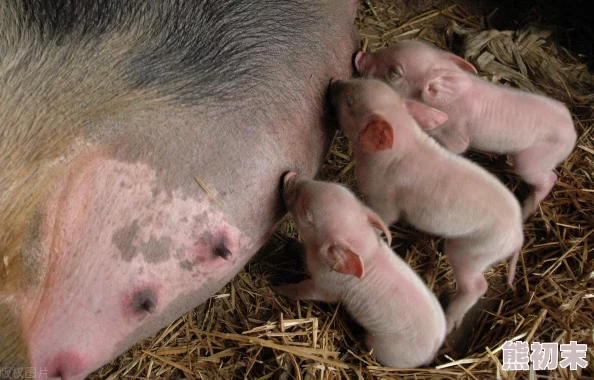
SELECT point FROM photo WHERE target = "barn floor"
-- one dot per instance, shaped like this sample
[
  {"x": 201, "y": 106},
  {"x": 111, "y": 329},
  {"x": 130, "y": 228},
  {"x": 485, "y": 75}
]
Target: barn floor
[{"x": 246, "y": 331}]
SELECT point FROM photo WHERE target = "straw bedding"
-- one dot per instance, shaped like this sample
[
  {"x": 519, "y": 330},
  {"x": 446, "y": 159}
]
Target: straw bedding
[{"x": 246, "y": 331}]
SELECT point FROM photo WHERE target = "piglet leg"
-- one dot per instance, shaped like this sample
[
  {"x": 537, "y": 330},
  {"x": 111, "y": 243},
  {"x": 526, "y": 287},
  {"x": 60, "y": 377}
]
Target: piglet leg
[
  {"x": 541, "y": 187},
  {"x": 304, "y": 290},
  {"x": 471, "y": 286},
  {"x": 530, "y": 166},
  {"x": 470, "y": 282}
]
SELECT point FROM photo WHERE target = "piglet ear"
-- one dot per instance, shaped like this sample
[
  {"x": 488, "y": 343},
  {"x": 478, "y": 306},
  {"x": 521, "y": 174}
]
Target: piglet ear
[
  {"x": 444, "y": 86},
  {"x": 377, "y": 135},
  {"x": 359, "y": 61},
  {"x": 427, "y": 117},
  {"x": 376, "y": 222},
  {"x": 461, "y": 63},
  {"x": 341, "y": 259}
]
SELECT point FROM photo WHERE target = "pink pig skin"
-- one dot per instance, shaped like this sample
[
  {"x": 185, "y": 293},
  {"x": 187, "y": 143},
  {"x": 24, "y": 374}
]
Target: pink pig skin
[
  {"x": 405, "y": 174},
  {"x": 537, "y": 131},
  {"x": 404, "y": 322}
]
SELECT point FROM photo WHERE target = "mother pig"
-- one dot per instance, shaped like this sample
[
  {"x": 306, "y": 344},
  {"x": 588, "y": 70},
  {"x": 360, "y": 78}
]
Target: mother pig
[{"x": 111, "y": 114}]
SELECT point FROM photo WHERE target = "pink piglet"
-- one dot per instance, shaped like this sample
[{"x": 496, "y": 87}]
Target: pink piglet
[
  {"x": 404, "y": 174},
  {"x": 537, "y": 131},
  {"x": 349, "y": 262}
]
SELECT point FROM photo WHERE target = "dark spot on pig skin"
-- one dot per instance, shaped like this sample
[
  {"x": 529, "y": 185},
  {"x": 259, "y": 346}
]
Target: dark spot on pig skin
[
  {"x": 123, "y": 240},
  {"x": 200, "y": 220},
  {"x": 180, "y": 253},
  {"x": 221, "y": 250},
  {"x": 156, "y": 250},
  {"x": 147, "y": 222},
  {"x": 187, "y": 265},
  {"x": 144, "y": 301},
  {"x": 184, "y": 220}
]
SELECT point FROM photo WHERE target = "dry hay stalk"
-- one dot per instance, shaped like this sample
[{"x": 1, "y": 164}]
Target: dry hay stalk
[{"x": 246, "y": 331}]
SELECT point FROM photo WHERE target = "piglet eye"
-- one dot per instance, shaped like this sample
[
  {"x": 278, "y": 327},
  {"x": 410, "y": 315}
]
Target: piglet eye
[
  {"x": 308, "y": 216},
  {"x": 394, "y": 73}
]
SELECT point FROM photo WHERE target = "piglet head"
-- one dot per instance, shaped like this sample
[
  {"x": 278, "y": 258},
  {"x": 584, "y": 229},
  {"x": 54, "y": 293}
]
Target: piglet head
[
  {"x": 363, "y": 109},
  {"x": 376, "y": 118},
  {"x": 333, "y": 222},
  {"x": 406, "y": 65}
]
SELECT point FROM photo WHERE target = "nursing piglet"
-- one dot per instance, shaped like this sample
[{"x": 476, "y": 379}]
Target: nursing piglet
[
  {"x": 537, "y": 131},
  {"x": 404, "y": 174},
  {"x": 404, "y": 322}
]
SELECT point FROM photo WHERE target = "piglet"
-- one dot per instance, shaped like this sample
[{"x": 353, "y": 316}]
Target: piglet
[
  {"x": 537, "y": 131},
  {"x": 404, "y": 322},
  {"x": 404, "y": 174}
]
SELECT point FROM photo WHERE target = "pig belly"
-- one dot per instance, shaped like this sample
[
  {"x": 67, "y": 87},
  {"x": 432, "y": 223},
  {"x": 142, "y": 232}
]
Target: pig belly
[{"x": 154, "y": 256}]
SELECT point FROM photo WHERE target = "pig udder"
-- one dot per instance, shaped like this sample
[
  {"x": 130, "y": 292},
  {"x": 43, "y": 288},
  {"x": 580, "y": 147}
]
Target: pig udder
[{"x": 125, "y": 258}]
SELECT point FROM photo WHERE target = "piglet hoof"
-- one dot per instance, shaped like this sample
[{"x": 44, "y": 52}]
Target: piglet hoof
[
  {"x": 452, "y": 323},
  {"x": 529, "y": 208},
  {"x": 450, "y": 326}
]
